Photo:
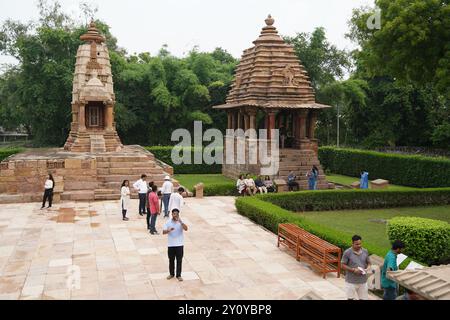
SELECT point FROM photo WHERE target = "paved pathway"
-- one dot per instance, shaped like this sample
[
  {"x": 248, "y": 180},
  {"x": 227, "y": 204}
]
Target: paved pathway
[{"x": 227, "y": 256}]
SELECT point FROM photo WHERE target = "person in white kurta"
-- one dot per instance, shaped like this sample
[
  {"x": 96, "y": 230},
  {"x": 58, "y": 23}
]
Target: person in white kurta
[
  {"x": 176, "y": 200},
  {"x": 125, "y": 199}
]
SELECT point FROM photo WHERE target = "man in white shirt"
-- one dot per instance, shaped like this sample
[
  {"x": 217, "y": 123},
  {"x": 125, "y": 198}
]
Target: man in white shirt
[
  {"x": 174, "y": 228},
  {"x": 142, "y": 188},
  {"x": 176, "y": 200},
  {"x": 166, "y": 190}
]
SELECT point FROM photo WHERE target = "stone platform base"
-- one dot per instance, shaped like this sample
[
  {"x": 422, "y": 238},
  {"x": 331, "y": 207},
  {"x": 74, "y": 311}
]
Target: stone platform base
[
  {"x": 296, "y": 160},
  {"x": 78, "y": 176}
]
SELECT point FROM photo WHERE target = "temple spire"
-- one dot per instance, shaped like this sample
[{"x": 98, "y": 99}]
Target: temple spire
[{"x": 93, "y": 34}]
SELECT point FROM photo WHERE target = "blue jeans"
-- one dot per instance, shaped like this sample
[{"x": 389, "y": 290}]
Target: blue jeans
[
  {"x": 153, "y": 222},
  {"x": 166, "y": 199},
  {"x": 390, "y": 293}
]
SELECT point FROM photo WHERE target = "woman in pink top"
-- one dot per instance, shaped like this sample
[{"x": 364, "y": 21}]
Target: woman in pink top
[{"x": 153, "y": 204}]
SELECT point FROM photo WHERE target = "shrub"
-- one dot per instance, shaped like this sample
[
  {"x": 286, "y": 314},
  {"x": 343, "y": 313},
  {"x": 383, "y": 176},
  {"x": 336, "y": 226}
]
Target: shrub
[
  {"x": 220, "y": 189},
  {"x": 405, "y": 170},
  {"x": 426, "y": 239},
  {"x": 357, "y": 199},
  {"x": 164, "y": 153},
  {"x": 5, "y": 153}
]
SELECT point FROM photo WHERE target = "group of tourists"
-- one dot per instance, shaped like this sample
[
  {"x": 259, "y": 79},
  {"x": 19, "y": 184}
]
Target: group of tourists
[
  {"x": 151, "y": 203},
  {"x": 246, "y": 185},
  {"x": 356, "y": 262}
]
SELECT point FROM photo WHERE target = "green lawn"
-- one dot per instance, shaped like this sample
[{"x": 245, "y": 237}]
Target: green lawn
[
  {"x": 347, "y": 181},
  {"x": 189, "y": 180},
  {"x": 369, "y": 224}
]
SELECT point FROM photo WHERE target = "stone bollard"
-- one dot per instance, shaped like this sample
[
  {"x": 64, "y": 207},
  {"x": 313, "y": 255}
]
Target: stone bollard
[
  {"x": 281, "y": 185},
  {"x": 356, "y": 185},
  {"x": 199, "y": 190}
]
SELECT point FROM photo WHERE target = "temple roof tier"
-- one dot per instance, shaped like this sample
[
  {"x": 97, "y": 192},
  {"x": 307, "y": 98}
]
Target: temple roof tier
[{"x": 271, "y": 76}]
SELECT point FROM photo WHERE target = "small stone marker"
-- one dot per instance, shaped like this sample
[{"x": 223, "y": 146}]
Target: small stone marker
[
  {"x": 281, "y": 185},
  {"x": 199, "y": 190},
  {"x": 379, "y": 184},
  {"x": 356, "y": 185}
]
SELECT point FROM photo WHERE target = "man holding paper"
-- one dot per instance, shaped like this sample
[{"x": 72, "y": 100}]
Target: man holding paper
[
  {"x": 356, "y": 262},
  {"x": 391, "y": 264}
]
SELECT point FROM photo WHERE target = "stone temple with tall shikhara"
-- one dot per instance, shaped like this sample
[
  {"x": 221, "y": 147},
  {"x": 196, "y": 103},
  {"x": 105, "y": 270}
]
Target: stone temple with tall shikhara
[
  {"x": 93, "y": 163},
  {"x": 271, "y": 90}
]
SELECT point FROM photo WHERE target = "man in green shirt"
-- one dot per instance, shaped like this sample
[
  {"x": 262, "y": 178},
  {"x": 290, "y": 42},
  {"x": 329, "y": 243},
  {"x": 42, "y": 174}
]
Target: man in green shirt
[{"x": 390, "y": 264}]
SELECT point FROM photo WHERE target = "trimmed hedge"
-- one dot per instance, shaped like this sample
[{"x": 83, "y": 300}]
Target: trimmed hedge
[
  {"x": 426, "y": 239},
  {"x": 357, "y": 199},
  {"x": 5, "y": 153},
  {"x": 404, "y": 170},
  {"x": 164, "y": 153},
  {"x": 220, "y": 189}
]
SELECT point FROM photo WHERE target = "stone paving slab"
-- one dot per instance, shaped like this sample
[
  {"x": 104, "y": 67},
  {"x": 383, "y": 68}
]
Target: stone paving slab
[{"x": 227, "y": 256}]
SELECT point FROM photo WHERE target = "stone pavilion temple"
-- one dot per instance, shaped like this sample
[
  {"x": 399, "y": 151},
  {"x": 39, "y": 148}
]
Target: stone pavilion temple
[{"x": 271, "y": 90}]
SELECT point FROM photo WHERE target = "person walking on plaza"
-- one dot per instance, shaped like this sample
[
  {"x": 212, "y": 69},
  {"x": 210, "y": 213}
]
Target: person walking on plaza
[
  {"x": 174, "y": 228},
  {"x": 390, "y": 264},
  {"x": 177, "y": 200},
  {"x": 356, "y": 263},
  {"x": 125, "y": 199},
  {"x": 48, "y": 193},
  {"x": 166, "y": 189},
  {"x": 142, "y": 188},
  {"x": 153, "y": 210}
]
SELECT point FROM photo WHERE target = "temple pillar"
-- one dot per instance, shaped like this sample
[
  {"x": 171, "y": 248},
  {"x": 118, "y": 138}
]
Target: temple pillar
[
  {"x": 312, "y": 124},
  {"x": 229, "y": 122},
  {"x": 82, "y": 117},
  {"x": 109, "y": 117},
  {"x": 252, "y": 118},
  {"x": 302, "y": 123},
  {"x": 239, "y": 120},
  {"x": 271, "y": 123},
  {"x": 246, "y": 121},
  {"x": 233, "y": 120}
]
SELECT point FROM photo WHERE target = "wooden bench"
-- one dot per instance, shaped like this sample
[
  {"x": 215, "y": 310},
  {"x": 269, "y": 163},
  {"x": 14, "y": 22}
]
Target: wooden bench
[{"x": 320, "y": 254}]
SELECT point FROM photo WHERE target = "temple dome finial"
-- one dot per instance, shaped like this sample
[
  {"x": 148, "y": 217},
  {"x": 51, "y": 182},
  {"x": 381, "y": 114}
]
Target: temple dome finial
[{"x": 270, "y": 21}]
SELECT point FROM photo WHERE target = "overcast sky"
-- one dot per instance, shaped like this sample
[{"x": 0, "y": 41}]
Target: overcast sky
[{"x": 144, "y": 26}]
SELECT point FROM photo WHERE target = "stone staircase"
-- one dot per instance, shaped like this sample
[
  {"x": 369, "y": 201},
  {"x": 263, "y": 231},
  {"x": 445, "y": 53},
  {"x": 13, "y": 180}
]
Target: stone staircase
[
  {"x": 300, "y": 162},
  {"x": 97, "y": 143},
  {"x": 112, "y": 170}
]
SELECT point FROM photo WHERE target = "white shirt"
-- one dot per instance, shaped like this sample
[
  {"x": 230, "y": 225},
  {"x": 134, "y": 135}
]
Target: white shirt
[
  {"x": 167, "y": 187},
  {"x": 141, "y": 185},
  {"x": 176, "y": 202},
  {"x": 175, "y": 237},
  {"x": 48, "y": 184}
]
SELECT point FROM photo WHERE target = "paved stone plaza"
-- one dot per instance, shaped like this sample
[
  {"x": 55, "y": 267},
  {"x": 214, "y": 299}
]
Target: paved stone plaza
[{"x": 227, "y": 256}]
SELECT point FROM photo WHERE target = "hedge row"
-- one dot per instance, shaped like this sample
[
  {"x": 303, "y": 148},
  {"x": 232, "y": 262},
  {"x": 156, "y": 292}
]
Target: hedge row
[
  {"x": 270, "y": 216},
  {"x": 357, "y": 199},
  {"x": 6, "y": 152},
  {"x": 426, "y": 239},
  {"x": 405, "y": 170},
  {"x": 220, "y": 189},
  {"x": 164, "y": 153}
]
